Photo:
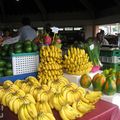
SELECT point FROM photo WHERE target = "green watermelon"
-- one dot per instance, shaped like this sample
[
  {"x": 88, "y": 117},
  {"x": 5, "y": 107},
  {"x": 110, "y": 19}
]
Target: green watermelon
[
  {"x": 109, "y": 87},
  {"x": 85, "y": 81},
  {"x": 28, "y": 49},
  {"x": 1, "y": 74},
  {"x": 9, "y": 65},
  {"x": 8, "y": 72},
  {"x": 18, "y": 46},
  {"x": 34, "y": 47},
  {"x": 98, "y": 82},
  {"x": 2, "y": 63}
]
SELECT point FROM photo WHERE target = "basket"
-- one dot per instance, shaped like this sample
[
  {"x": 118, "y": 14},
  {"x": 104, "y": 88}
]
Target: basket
[
  {"x": 25, "y": 63},
  {"x": 110, "y": 53},
  {"x": 113, "y": 59},
  {"x": 111, "y": 65}
]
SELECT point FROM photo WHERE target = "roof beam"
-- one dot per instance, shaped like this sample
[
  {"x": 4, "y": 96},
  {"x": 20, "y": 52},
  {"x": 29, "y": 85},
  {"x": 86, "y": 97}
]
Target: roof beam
[
  {"x": 41, "y": 8},
  {"x": 89, "y": 7},
  {"x": 2, "y": 10}
]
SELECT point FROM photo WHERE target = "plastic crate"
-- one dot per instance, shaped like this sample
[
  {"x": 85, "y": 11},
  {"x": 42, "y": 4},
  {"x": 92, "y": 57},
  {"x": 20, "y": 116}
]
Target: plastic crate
[
  {"x": 110, "y": 53},
  {"x": 25, "y": 63},
  {"x": 111, "y": 65},
  {"x": 113, "y": 59}
]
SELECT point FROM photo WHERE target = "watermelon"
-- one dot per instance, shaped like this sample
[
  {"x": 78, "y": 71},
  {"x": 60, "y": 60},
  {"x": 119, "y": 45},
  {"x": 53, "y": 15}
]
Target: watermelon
[
  {"x": 98, "y": 82},
  {"x": 109, "y": 87},
  {"x": 85, "y": 81}
]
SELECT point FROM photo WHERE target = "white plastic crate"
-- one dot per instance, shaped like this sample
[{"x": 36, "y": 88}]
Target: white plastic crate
[
  {"x": 113, "y": 59},
  {"x": 25, "y": 63}
]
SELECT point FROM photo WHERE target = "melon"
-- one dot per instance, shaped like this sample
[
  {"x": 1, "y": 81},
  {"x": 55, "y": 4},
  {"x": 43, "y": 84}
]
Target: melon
[{"x": 85, "y": 81}]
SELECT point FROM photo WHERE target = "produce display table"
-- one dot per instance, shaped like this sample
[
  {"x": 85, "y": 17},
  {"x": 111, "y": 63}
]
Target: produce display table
[
  {"x": 104, "y": 111},
  {"x": 115, "y": 99}
]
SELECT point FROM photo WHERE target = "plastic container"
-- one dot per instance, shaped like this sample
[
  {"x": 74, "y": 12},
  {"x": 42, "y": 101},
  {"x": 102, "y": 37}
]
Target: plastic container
[
  {"x": 110, "y": 53},
  {"x": 113, "y": 59},
  {"x": 25, "y": 63},
  {"x": 111, "y": 65}
]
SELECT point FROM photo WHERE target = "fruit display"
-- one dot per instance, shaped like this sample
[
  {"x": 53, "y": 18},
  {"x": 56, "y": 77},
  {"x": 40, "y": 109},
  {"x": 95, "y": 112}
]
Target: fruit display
[
  {"x": 19, "y": 47},
  {"x": 107, "y": 82},
  {"x": 77, "y": 62},
  {"x": 31, "y": 100},
  {"x": 85, "y": 81},
  {"x": 50, "y": 66}
]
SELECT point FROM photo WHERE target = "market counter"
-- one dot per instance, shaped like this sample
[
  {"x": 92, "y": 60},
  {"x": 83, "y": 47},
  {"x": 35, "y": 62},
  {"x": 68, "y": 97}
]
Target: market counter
[{"x": 104, "y": 111}]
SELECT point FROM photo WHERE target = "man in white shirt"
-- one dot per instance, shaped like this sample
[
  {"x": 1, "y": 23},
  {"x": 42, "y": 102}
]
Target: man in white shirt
[{"x": 26, "y": 32}]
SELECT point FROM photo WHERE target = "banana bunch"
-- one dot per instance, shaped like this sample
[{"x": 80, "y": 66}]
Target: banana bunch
[
  {"x": 27, "y": 111},
  {"x": 41, "y": 93},
  {"x": 93, "y": 96},
  {"x": 44, "y": 116},
  {"x": 77, "y": 62},
  {"x": 57, "y": 85},
  {"x": 50, "y": 67},
  {"x": 2, "y": 92},
  {"x": 67, "y": 112},
  {"x": 43, "y": 107},
  {"x": 50, "y": 51},
  {"x": 58, "y": 100},
  {"x": 32, "y": 80},
  {"x": 83, "y": 107},
  {"x": 73, "y": 93},
  {"x": 7, "y": 83}
]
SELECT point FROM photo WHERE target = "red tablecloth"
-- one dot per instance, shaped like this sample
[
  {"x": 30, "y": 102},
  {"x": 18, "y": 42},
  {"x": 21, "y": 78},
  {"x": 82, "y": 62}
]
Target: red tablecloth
[{"x": 104, "y": 111}]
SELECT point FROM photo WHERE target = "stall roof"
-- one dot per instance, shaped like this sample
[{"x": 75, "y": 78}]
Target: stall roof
[{"x": 10, "y": 10}]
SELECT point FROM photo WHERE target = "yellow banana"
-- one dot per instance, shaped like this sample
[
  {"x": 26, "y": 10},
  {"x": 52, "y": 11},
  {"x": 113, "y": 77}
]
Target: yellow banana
[
  {"x": 31, "y": 110},
  {"x": 62, "y": 114},
  {"x": 11, "y": 103},
  {"x": 21, "y": 114},
  {"x": 30, "y": 98},
  {"x": 15, "y": 106},
  {"x": 50, "y": 116},
  {"x": 26, "y": 113}
]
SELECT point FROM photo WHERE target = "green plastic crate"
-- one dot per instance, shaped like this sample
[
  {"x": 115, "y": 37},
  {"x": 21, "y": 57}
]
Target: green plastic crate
[
  {"x": 111, "y": 65},
  {"x": 110, "y": 53}
]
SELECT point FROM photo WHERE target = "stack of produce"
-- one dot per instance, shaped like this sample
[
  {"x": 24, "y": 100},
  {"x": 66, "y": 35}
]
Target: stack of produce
[
  {"x": 50, "y": 67},
  {"x": 37, "y": 102},
  {"x": 19, "y": 47},
  {"x": 5, "y": 68},
  {"x": 108, "y": 81},
  {"x": 77, "y": 62}
]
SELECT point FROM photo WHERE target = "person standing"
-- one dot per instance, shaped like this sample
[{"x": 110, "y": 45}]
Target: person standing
[{"x": 26, "y": 32}]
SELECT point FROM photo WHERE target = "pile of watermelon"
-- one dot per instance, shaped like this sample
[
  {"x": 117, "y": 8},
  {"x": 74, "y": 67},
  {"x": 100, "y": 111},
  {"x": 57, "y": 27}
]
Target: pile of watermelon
[
  {"x": 5, "y": 68},
  {"x": 19, "y": 47}
]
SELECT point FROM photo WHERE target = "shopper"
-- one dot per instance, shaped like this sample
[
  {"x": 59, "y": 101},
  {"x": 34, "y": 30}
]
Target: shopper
[
  {"x": 100, "y": 38},
  {"x": 26, "y": 32}
]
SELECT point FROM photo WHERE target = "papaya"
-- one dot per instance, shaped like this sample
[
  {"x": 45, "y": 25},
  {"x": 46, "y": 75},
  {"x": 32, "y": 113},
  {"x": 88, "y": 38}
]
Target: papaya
[
  {"x": 118, "y": 81},
  {"x": 85, "y": 81},
  {"x": 109, "y": 87},
  {"x": 98, "y": 82}
]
